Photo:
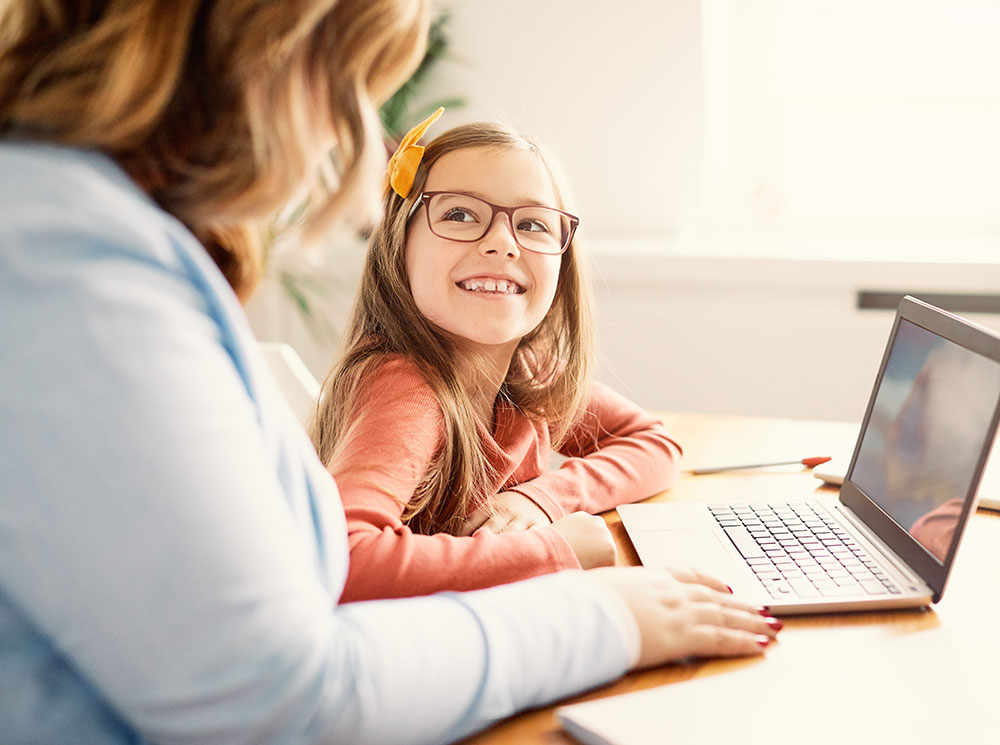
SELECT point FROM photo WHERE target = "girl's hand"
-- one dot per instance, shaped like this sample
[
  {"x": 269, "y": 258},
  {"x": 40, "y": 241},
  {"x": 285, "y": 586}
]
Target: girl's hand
[
  {"x": 511, "y": 512},
  {"x": 590, "y": 539},
  {"x": 683, "y": 613}
]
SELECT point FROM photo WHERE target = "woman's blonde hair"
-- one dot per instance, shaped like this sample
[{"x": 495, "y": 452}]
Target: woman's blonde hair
[
  {"x": 548, "y": 377},
  {"x": 221, "y": 110}
]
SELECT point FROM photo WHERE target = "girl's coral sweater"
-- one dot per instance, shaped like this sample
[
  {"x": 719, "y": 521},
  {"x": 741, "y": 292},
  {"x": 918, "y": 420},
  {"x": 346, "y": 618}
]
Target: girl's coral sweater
[{"x": 617, "y": 453}]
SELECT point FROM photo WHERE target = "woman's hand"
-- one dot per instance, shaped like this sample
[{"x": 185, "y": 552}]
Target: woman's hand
[
  {"x": 682, "y": 613},
  {"x": 510, "y": 512}
]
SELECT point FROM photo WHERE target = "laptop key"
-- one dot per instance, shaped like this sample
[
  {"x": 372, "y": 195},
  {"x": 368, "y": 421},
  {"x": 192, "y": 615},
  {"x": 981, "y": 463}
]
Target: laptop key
[
  {"x": 874, "y": 587},
  {"x": 768, "y": 574},
  {"x": 841, "y": 590},
  {"x": 843, "y": 578},
  {"x": 778, "y": 588},
  {"x": 744, "y": 542},
  {"x": 803, "y": 588}
]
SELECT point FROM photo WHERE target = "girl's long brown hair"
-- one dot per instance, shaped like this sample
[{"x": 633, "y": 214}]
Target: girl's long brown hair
[
  {"x": 221, "y": 110},
  {"x": 548, "y": 377}
]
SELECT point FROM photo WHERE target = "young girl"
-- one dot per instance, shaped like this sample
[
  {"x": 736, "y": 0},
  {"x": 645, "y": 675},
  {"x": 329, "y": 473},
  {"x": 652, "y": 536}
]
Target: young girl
[{"x": 468, "y": 358}]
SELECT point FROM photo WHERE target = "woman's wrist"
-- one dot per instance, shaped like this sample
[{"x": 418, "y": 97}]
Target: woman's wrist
[{"x": 624, "y": 620}]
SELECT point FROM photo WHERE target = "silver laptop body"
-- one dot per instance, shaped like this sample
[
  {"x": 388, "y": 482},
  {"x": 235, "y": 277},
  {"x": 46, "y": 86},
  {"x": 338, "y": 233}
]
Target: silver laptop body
[{"x": 890, "y": 539}]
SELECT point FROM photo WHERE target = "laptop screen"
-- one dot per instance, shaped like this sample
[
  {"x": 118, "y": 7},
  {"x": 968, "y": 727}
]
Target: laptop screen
[{"x": 924, "y": 438}]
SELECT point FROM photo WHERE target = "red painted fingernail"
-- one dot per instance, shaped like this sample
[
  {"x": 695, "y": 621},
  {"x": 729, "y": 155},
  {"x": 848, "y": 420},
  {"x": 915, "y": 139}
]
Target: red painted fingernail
[
  {"x": 763, "y": 641},
  {"x": 764, "y": 611},
  {"x": 730, "y": 589},
  {"x": 774, "y": 623}
]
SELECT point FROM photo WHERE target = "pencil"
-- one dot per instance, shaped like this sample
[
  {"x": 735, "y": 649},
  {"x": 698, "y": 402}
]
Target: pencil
[{"x": 808, "y": 462}]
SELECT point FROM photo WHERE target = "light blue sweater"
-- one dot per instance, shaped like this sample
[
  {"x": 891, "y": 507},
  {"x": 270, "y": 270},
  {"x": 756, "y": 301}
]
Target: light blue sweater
[{"x": 171, "y": 549}]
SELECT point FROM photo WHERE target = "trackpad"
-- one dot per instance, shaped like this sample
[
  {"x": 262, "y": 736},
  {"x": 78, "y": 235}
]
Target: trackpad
[
  {"x": 693, "y": 547},
  {"x": 698, "y": 548}
]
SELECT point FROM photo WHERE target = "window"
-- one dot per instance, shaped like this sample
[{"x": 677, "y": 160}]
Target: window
[{"x": 851, "y": 129}]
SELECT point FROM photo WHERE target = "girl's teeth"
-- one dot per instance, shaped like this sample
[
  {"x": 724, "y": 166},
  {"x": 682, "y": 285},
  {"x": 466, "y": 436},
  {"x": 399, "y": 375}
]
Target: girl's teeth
[{"x": 491, "y": 285}]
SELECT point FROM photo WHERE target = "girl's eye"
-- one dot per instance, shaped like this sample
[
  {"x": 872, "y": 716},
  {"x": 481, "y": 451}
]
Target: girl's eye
[
  {"x": 533, "y": 226},
  {"x": 458, "y": 214}
]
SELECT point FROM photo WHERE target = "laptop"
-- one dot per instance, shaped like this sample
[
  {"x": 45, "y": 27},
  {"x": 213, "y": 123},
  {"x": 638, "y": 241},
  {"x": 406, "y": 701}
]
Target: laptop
[{"x": 890, "y": 539}]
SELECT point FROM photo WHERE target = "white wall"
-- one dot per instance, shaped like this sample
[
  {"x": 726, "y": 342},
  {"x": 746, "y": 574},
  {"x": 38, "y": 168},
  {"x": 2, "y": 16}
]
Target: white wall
[
  {"x": 771, "y": 338},
  {"x": 612, "y": 88}
]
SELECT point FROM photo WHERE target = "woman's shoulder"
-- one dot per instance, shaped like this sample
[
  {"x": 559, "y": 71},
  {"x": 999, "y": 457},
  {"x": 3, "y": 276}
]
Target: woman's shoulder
[
  {"x": 75, "y": 180},
  {"x": 82, "y": 193},
  {"x": 74, "y": 209}
]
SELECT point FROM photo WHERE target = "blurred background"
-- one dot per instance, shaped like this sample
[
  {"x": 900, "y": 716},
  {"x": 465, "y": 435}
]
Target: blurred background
[{"x": 758, "y": 181}]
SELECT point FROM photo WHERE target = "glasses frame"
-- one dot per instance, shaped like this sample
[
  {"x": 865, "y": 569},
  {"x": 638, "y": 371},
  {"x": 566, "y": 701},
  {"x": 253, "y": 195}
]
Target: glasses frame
[{"x": 574, "y": 221}]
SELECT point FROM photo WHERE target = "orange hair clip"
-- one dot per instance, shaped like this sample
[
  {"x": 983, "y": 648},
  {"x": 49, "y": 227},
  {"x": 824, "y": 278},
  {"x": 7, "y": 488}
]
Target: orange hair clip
[{"x": 404, "y": 162}]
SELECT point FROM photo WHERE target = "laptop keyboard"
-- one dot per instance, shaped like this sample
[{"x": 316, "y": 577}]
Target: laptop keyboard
[{"x": 796, "y": 550}]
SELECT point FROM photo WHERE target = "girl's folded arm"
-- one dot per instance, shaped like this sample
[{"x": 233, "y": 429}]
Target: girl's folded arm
[
  {"x": 393, "y": 438},
  {"x": 388, "y": 560},
  {"x": 617, "y": 453}
]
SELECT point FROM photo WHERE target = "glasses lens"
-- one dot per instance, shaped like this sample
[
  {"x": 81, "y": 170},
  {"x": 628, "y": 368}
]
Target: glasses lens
[
  {"x": 459, "y": 217},
  {"x": 541, "y": 229}
]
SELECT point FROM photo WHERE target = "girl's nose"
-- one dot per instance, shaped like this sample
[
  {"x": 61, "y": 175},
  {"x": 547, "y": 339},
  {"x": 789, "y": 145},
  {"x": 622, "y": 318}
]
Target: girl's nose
[{"x": 499, "y": 238}]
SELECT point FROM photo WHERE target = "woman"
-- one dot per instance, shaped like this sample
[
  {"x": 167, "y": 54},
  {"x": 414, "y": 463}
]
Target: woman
[{"x": 172, "y": 551}]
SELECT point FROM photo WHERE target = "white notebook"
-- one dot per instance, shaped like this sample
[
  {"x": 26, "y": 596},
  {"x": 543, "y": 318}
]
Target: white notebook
[{"x": 891, "y": 701}]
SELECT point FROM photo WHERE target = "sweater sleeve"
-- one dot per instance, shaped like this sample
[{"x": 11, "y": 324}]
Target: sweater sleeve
[
  {"x": 395, "y": 431},
  {"x": 617, "y": 453}
]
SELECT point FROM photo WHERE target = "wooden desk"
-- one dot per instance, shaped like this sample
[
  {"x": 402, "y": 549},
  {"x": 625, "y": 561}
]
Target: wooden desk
[{"x": 966, "y": 624}]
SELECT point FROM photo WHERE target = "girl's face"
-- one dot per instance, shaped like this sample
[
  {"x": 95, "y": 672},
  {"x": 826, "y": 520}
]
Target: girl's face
[{"x": 460, "y": 286}]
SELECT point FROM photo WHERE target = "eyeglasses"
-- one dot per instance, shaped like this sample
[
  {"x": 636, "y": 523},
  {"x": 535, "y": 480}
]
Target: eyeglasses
[{"x": 461, "y": 217}]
